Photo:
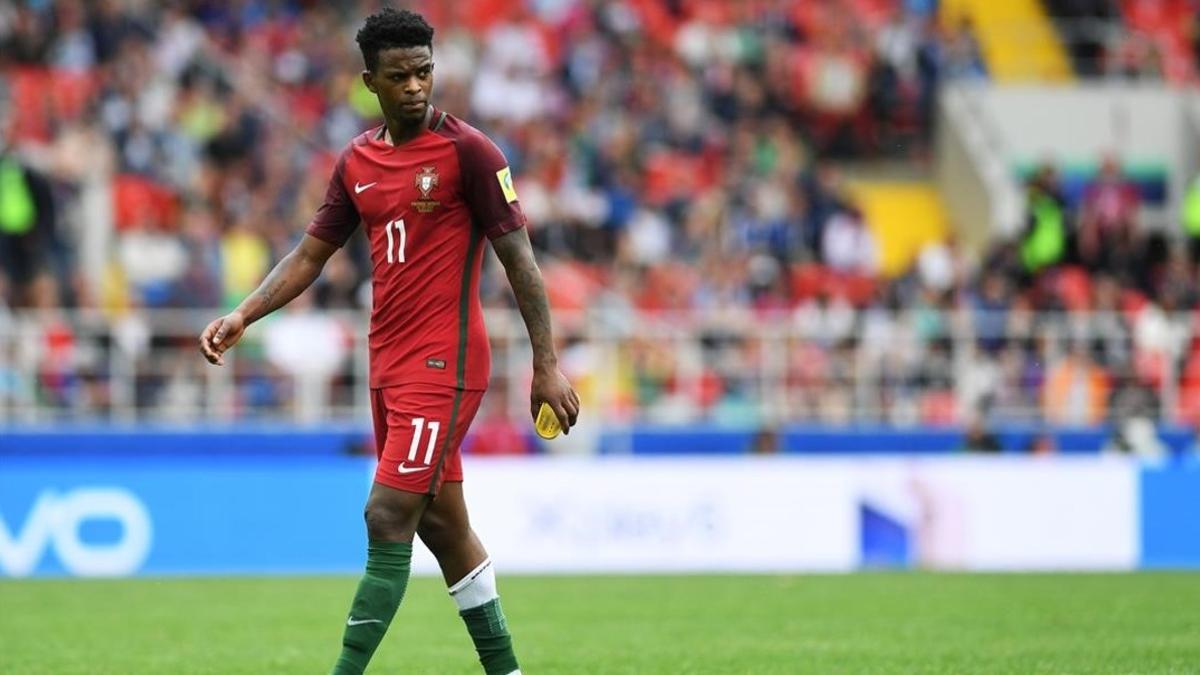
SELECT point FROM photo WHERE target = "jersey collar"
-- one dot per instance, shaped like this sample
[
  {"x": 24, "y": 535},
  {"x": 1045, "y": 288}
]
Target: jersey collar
[{"x": 380, "y": 136}]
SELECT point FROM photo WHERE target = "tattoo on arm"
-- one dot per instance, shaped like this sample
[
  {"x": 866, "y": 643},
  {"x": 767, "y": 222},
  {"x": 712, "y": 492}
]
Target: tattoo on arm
[
  {"x": 516, "y": 255},
  {"x": 527, "y": 285},
  {"x": 288, "y": 279},
  {"x": 269, "y": 291}
]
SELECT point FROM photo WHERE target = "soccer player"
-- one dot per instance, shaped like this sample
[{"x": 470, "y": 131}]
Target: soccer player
[{"x": 427, "y": 188}]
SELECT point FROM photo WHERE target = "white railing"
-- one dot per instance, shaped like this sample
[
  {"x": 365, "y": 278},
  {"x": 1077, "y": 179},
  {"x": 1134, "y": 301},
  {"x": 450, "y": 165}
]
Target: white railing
[{"x": 824, "y": 365}]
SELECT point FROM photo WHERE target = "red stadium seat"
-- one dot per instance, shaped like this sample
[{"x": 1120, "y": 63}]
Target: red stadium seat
[
  {"x": 70, "y": 93},
  {"x": 808, "y": 280},
  {"x": 873, "y": 13},
  {"x": 41, "y": 95},
  {"x": 1075, "y": 288},
  {"x": 569, "y": 286},
  {"x": 139, "y": 202},
  {"x": 1167, "y": 21},
  {"x": 30, "y": 109}
]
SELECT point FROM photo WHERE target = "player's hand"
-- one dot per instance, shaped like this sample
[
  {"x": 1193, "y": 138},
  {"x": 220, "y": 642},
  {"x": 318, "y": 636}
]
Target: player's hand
[
  {"x": 552, "y": 387},
  {"x": 220, "y": 335}
]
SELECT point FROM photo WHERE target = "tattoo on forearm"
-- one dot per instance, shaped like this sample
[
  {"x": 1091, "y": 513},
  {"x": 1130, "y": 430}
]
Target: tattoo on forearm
[
  {"x": 527, "y": 285},
  {"x": 516, "y": 254},
  {"x": 285, "y": 282},
  {"x": 270, "y": 290}
]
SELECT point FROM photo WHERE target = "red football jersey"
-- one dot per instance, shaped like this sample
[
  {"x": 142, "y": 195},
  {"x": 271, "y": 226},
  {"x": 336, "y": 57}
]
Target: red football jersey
[{"x": 426, "y": 206}]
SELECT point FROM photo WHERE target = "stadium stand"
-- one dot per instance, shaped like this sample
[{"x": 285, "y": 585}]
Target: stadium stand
[
  {"x": 1169, "y": 29},
  {"x": 695, "y": 220},
  {"x": 1017, "y": 40}
]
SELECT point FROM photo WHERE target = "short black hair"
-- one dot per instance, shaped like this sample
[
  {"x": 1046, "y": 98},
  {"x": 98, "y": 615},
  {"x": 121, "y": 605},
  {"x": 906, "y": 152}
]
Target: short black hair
[{"x": 390, "y": 29}]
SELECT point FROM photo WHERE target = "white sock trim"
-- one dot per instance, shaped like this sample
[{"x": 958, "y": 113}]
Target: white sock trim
[
  {"x": 477, "y": 588},
  {"x": 465, "y": 581}
]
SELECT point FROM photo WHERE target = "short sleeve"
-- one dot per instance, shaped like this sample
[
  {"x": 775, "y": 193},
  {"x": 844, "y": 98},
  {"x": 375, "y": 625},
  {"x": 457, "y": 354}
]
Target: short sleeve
[
  {"x": 488, "y": 186},
  {"x": 337, "y": 217}
]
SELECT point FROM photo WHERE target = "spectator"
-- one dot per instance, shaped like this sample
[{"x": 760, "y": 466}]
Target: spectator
[
  {"x": 310, "y": 346},
  {"x": 991, "y": 312},
  {"x": 1045, "y": 238},
  {"x": 1191, "y": 218},
  {"x": 152, "y": 259},
  {"x": 1137, "y": 56},
  {"x": 514, "y": 61},
  {"x": 28, "y": 37},
  {"x": 1138, "y": 437},
  {"x": 978, "y": 439},
  {"x": 1076, "y": 390},
  {"x": 833, "y": 85},
  {"x": 27, "y": 223},
  {"x": 1156, "y": 341},
  {"x": 963, "y": 59},
  {"x": 55, "y": 348},
  {"x": 765, "y": 441},
  {"x": 848, "y": 245},
  {"x": 1107, "y": 216},
  {"x": 245, "y": 260}
]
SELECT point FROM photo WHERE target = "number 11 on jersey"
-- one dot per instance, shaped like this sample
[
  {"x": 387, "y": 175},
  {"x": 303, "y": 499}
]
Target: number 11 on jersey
[{"x": 401, "y": 234}]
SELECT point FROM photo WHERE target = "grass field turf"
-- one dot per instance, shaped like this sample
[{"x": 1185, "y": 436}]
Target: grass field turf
[{"x": 863, "y": 623}]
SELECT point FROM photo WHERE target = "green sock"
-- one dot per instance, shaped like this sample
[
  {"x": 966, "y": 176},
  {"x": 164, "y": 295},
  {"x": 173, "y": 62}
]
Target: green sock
[
  {"x": 489, "y": 631},
  {"x": 379, "y": 594}
]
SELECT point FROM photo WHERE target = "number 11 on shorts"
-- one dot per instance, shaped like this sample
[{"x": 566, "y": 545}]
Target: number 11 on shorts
[{"x": 418, "y": 431}]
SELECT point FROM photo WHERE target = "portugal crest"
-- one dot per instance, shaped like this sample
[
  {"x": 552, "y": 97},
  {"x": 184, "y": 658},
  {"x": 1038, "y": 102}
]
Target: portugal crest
[{"x": 426, "y": 181}]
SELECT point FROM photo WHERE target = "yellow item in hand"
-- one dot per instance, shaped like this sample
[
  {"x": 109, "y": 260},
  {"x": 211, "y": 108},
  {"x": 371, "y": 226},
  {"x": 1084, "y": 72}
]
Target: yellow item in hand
[{"x": 547, "y": 425}]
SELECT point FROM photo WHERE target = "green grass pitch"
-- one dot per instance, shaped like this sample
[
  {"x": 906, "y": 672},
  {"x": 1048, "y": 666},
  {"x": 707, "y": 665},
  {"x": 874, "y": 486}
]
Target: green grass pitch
[{"x": 860, "y": 623}]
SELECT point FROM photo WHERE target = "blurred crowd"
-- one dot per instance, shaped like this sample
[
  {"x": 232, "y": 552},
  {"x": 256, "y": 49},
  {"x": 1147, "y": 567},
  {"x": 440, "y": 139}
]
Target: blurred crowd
[
  {"x": 1090, "y": 308},
  {"x": 1131, "y": 39},
  {"x": 639, "y": 130},
  {"x": 670, "y": 154}
]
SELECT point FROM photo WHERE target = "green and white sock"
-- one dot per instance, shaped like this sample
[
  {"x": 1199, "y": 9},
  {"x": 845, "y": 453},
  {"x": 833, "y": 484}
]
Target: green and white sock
[
  {"x": 479, "y": 606},
  {"x": 379, "y": 594}
]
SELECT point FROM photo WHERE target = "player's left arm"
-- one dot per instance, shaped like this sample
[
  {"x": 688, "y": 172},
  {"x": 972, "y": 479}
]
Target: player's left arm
[{"x": 549, "y": 384}]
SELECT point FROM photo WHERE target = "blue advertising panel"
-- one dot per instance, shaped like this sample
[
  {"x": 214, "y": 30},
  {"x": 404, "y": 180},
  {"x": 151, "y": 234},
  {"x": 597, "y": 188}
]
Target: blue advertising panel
[
  {"x": 1171, "y": 516},
  {"x": 76, "y": 514},
  {"x": 184, "y": 516}
]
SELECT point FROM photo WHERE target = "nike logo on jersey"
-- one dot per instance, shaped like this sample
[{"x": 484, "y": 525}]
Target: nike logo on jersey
[
  {"x": 358, "y": 622},
  {"x": 410, "y": 469},
  {"x": 359, "y": 189}
]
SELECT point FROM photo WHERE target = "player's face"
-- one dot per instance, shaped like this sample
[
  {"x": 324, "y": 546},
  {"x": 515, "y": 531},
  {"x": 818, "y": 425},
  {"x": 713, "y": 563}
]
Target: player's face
[{"x": 403, "y": 81}]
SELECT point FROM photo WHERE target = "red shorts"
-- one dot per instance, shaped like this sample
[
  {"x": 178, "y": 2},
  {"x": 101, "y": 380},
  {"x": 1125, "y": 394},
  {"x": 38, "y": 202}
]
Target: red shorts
[{"x": 418, "y": 431}]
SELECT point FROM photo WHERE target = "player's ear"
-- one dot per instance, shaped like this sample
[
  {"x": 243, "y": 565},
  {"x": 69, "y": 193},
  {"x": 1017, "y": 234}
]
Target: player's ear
[{"x": 369, "y": 80}]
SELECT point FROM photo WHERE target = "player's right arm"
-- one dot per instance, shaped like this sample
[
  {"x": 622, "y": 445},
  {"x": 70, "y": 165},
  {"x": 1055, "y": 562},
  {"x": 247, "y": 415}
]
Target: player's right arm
[{"x": 288, "y": 279}]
